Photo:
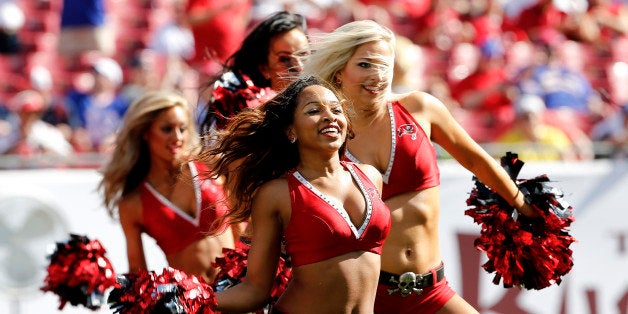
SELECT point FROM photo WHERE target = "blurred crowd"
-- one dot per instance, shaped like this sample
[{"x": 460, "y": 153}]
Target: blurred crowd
[{"x": 545, "y": 78}]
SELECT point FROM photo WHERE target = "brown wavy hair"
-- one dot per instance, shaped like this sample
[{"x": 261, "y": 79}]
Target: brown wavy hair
[{"x": 254, "y": 148}]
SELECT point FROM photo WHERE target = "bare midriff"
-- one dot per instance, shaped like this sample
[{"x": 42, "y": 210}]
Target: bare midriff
[
  {"x": 347, "y": 283},
  {"x": 196, "y": 258},
  {"x": 413, "y": 244}
]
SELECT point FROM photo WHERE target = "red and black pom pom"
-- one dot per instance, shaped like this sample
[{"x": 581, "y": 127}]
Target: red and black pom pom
[
  {"x": 233, "y": 268},
  {"x": 528, "y": 252},
  {"x": 79, "y": 273},
  {"x": 171, "y": 292},
  {"x": 232, "y": 93}
]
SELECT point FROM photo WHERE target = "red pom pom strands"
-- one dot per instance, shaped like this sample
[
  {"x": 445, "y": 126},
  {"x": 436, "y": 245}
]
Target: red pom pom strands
[
  {"x": 172, "y": 292},
  {"x": 232, "y": 93},
  {"x": 527, "y": 252},
  {"x": 79, "y": 272},
  {"x": 233, "y": 268},
  {"x": 282, "y": 278}
]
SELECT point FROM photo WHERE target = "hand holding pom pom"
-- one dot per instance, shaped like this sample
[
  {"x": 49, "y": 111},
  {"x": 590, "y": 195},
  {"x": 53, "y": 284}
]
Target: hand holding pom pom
[
  {"x": 530, "y": 252},
  {"x": 79, "y": 273},
  {"x": 233, "y": 268}
]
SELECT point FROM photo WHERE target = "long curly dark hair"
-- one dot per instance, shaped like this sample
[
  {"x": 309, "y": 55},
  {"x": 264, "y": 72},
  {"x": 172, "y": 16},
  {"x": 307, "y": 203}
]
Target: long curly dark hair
[
  {"x": 254, "y": 147},
  {"x": 256, "y": 46},
  {"x": 246, "y": 61}
]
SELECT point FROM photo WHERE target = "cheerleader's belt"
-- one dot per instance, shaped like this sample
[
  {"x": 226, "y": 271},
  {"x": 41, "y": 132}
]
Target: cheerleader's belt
[{"x": 408, "y": 283}]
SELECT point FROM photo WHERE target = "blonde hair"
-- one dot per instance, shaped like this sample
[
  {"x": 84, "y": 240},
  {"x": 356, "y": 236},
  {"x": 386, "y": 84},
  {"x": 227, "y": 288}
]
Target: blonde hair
[
  {"x": 130, "y": 160},
  {"x": 331, "y": 52}
]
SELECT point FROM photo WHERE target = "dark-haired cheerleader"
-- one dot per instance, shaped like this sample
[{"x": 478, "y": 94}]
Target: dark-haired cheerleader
[{"x": 267, "y": 61}]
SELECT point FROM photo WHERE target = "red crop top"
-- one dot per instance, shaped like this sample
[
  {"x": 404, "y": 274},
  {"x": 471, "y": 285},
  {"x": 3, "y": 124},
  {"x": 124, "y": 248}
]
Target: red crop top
[
  {"x": 320, "y": 228},
  {"x": 171, "y": 227},
  {"x": 413, "y": 165}
]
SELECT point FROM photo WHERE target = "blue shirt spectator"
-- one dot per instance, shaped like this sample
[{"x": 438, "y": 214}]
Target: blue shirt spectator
[{"x": 82, "y": 13}]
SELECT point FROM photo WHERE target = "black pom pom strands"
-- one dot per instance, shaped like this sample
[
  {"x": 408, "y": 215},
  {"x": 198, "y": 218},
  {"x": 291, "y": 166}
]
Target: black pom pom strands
[
  {"x": 233, "y": 268},
  {"x": 171, "y": 292},
  {"x": 527, "y": 252}
]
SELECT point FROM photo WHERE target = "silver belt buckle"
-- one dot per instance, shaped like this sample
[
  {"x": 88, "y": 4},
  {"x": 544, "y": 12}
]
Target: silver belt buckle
[{"x": 407, "y": 284}]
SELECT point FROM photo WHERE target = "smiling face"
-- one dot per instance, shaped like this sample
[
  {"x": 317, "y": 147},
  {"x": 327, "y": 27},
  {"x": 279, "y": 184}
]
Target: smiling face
[
  {"x": 367, "y": 75},
  {"x": 284, "y": 63},
  {"x": 167, "y": 136},
  {"x": 319, "y": 120}
]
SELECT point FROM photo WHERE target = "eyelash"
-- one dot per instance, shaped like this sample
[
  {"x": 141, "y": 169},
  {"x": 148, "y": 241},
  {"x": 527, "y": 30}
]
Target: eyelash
[
  {"x": 337, "y": 110},
  {"x": 168, "y": 129}
]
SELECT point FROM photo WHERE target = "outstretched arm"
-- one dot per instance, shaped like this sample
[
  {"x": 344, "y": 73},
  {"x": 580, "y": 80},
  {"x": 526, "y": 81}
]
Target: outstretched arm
[{"x": 450, "y": 135}]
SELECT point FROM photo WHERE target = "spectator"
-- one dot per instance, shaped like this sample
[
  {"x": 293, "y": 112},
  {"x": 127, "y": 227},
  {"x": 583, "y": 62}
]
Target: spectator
[
  {"x": 11, "y": 21},
  {"x": 399, "y": 15},
  {"x": 614, "y": 131},
  {"x": 33, "y": 136},
  {"x": 55, "y": 113},
  {"x": 440, "y": 28},
  {"x": 173, "y": 44},
  {"x": 561, "y": 88},
  {"x": 485, "y": 93},
  {"x": 607, "y": 21},
  {"x": 218, "y": 28},
  {"x": 84, "y": 27},
  {"x": 144, "y": 74},
  {"x": 174, "y": 38},
  {"x": 9, "y": 124},
  {"x": 531, "y": 137},
  {"x": 322, "y": 15},
  {"x": 549, "y": 21},
  {"x": 612, "y": 16},
  {"x": 96, "y": 113}
]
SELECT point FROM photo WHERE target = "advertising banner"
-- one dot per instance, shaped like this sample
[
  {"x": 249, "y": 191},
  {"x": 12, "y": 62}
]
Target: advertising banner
[{"x": 41, "y": 207}]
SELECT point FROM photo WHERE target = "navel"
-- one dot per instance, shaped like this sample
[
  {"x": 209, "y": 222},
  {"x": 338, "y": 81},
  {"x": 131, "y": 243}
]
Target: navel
[{"x": 409, "y": 253}]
